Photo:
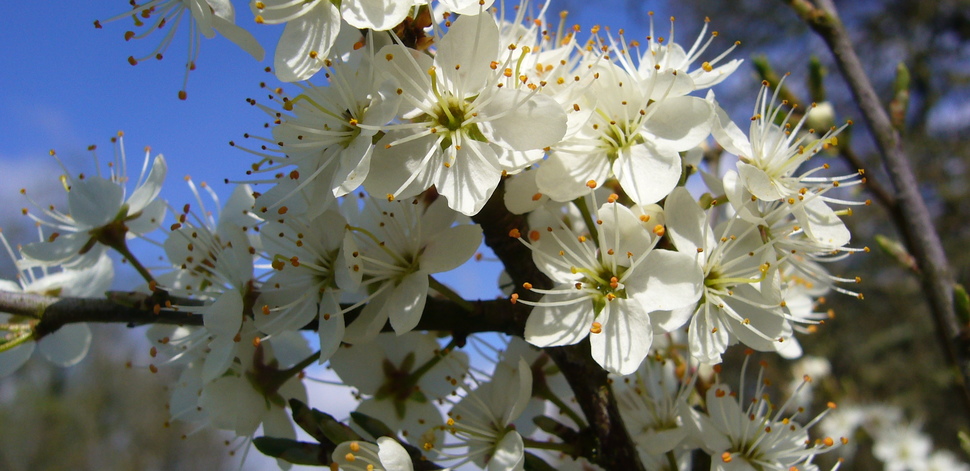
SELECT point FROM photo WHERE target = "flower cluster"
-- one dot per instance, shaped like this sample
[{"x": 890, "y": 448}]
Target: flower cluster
[{"x": 358, "y": 204}]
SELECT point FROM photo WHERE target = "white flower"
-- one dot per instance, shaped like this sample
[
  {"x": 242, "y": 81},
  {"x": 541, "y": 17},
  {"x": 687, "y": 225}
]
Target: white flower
[
  {"x": 69, "y": 344},
  {"x": 754, "y": 434},
  {"x": 213, "y": 261},
  {"x": 466, "y": 127},
  {"x": 902, "y": 447},
  {"x": 100, "y": 213},
  {"x": 771, "y": 154},
  {"x": 665, "y": 69},
  {"x": 607, "y": 284},
  {"x": 482, "y": 421},
  {"x": 399, "y": 246},
  {"x": 312, "y": 267},
  {"x": 207, "y": 16},
  {"x": 653, "y": 402},
  {"x": 629, "y": 137},
  {"x": 386, "y": 455},
  {"x": 331, "y": 133},
  {"x": 742, "y": 296}
]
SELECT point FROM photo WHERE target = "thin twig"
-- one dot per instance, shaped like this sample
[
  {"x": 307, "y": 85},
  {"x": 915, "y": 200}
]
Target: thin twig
[{"x": 912, "y": 217}]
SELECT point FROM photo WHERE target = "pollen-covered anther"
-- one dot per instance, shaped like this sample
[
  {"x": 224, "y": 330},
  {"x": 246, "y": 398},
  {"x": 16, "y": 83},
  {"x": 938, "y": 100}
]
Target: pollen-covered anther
[
  {"x": 591, "y": 184},
  {"x": 514, "y": 298},
  {"x": 515, "y": 234},
  {"x": 527, "y": 285},
  {"x": 614, "y": 282},
  {"x": 534, "y": 236},
  {"x": 612, "y": 198},
  {"x": 726, "y": 457},
  {"x": 596, "y": 328},
  {"x": 659, "y": 230},
  {"x": 537, "y": 197}
]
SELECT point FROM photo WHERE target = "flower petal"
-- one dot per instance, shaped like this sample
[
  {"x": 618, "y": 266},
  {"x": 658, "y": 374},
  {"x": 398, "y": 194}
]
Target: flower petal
[
  {"x": 67, "y": 346},
  {"x": 625, "y": 339}
]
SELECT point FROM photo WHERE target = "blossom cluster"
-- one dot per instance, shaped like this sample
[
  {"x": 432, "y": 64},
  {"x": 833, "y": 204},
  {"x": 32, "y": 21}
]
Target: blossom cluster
[{"x": 360, "y": 198}]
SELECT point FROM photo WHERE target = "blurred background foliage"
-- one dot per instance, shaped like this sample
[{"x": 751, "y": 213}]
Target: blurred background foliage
[{"x": 882, "y": 350}]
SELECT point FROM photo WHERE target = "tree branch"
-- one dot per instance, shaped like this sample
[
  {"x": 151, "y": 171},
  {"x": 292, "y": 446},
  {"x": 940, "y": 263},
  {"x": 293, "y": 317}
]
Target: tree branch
[
  {"x": 911, "y": 215},
  {"x": 51, "y": 313}
]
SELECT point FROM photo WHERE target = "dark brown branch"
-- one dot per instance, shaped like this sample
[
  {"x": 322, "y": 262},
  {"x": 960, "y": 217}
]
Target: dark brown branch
[
  {"x": 52, "y": 313},
  {"x": 612, "y": 447},
  {"x": 911, "y": 215}
]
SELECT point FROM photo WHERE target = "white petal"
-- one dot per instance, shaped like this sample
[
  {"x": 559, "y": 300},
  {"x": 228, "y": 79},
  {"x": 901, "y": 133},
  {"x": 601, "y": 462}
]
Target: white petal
[
  {"x": 224, "y": 316},
  {"x": 67, "y": 346},
  {"x": 150, "y": 188},
  {"x": 360, "y": 366},
  {"x": 525, "y": 123},
  {"x": 393, "y": 456},
  {"x": 521, "y": 191},
  {"x": 471, "y": 179},
  {"x": 64, "y": 247},
  {"x": 729, "y": 135},
  {"x": 822, "y": 224},
  {"x": 626, "y": 337},
  {"x": 509, "y": 453},
  {"x": 707, "y": 336},
  {"x": 647, "y": 174},
  {"x": 378, "y": 15},
  {"x": 759, "y": 183},
  {"x": 11, "y": 360},
  {"x": 449, "y": 249},
  {"x": 687, "y": 223},
  {"x": 552, "y": 326},
  {"x": 94, "y": 201},
  {"x": 673, "y": 280},
  {"x": 219, "y": 358},
  {"x": 233, "y": 404},
  {"x": 466, "y": 7},
  {"x": 332, "y": 327},
  {"x": 563, "y": 176},
  {"x": 314, "y": 31},
  {"x": 151, "y": 218},
  {"x": 466, "y": 52},
  {"x": 680, "y": 123},
  {"x": 244, "y": 39},
  {"x": 407, "y": 302}
]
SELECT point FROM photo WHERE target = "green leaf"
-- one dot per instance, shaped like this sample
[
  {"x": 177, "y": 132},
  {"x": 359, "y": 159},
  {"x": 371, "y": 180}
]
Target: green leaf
[
  {"x": 295, "y": 452},
  {"x": 320, "y": 425},
  {"x": 374, "y": 427},
  {"x": 534, "y": 463}
]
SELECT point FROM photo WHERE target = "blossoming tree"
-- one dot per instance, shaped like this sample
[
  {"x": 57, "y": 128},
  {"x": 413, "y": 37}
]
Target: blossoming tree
[{"x": 407, "y": 135}]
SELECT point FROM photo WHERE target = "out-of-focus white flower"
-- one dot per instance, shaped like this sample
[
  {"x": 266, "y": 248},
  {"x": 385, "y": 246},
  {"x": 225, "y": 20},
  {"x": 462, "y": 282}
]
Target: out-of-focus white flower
[
  {"x": 403, "y": 376},
  {"x": 902, "y": 447},
  {"x": 653, "y": 402},
  {"x": 69, "y": 344}
]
